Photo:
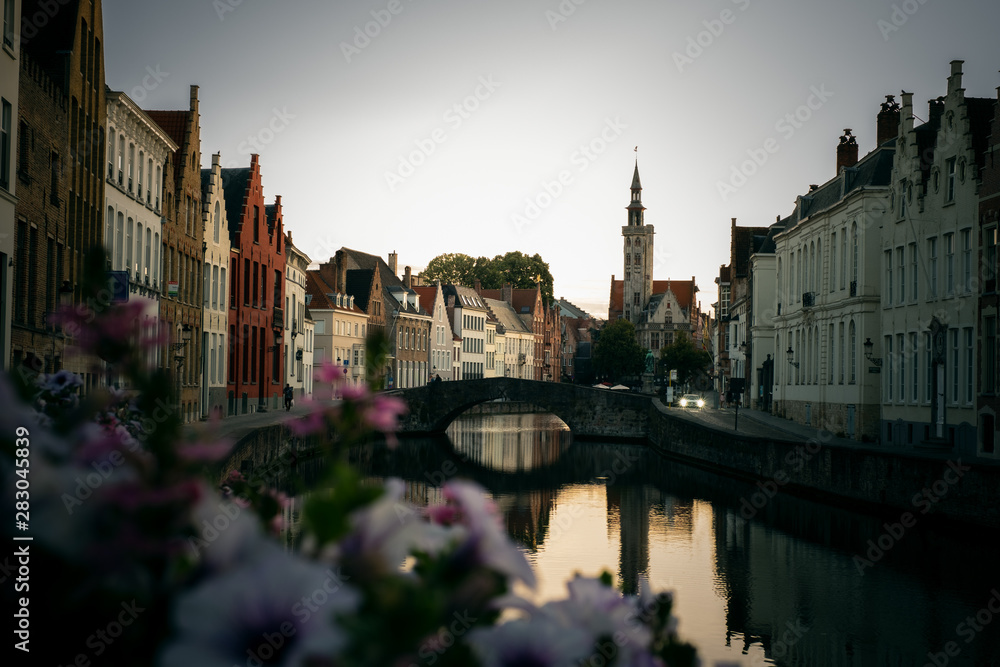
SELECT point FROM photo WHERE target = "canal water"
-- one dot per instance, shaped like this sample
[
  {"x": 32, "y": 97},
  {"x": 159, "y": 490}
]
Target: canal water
[{"x": 792, "y": 583}]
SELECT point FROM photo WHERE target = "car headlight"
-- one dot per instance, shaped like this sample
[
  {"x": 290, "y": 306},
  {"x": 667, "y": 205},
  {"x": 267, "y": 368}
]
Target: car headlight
[
  {"x": 701, "y": 403},
  {"x": 684, "y": 402}
]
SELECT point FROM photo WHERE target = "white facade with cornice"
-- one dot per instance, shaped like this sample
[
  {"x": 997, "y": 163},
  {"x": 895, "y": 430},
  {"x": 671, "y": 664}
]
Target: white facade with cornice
[{"x": 215, "y": 320}]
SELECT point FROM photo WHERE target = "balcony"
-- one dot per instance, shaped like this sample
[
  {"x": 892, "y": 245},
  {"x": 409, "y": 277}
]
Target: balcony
[{"x": 808, "y": 299}]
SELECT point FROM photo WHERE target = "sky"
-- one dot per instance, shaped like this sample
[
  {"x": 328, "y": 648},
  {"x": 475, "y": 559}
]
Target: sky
[{"x": 425, "y": 127}]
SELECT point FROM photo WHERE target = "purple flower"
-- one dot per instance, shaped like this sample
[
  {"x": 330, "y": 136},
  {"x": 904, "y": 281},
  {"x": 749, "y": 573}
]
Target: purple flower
[
  {"x": 536, "y": 643},
  {"x": 385, "y": 532},
  {"x": 277, "y": 609}
]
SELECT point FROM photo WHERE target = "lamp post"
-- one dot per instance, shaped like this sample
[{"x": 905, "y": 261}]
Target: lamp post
[
  {"x": 741, "y": 386},
  {"x": 178, "y": 351},
  {"x": 869, "y": 346}
]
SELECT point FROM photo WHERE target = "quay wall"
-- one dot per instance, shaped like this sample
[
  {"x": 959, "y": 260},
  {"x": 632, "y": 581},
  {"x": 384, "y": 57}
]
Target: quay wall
[{"x": 891, "y": 481}]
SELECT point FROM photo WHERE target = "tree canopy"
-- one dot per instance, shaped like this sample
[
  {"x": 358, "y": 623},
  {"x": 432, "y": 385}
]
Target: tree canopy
[
  {"x": 617, "y": 354},
  {"x": 685, "y": 358},
  {"x": 516, "y": 268}
]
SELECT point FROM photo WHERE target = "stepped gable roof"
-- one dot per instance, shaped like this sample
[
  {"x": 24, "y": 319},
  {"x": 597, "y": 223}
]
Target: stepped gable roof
[
  {"x": 175, "y": 124},
  {"x": 206, "y": 181},
  {"x": 683, "y": 291},
  {"x": 234, "y": 190},
  {"x": 358, "y": 283}
]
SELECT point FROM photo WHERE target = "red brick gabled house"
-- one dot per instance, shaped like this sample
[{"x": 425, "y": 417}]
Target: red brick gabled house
[{"x": 256, "y": 291}]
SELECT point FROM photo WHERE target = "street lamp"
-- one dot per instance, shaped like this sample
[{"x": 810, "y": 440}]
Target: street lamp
[
  {"x": 869, "y": 345},
  {"x": 790, "y": 355}
]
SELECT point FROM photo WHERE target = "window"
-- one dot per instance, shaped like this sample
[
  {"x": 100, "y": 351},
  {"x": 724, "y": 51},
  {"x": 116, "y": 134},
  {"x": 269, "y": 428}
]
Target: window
[
  {"x": 854, "y": 242},
  {"x": 949, "y": 183},
  {"x": 830, "y": 357},
  {"x": 969, "y": 370},
  {"x": 901, "y": 351},
  {"x": 842, "y": 350},
  {"x": 887, "y": 262},
  {"x": 854, "y": 353},
  {"x": 953, "y": 334},
  {"x": 256, "y": 224},
  {"x": 966, "y": 236},
  {"x": 990, "y": 355},
  {"x": 246, "y": 281},
  {"x": 833, "y": 261},
  {"x": 6, "y": 137},
  {"x": 216, "y": 221},
  {"x": 930, "y": 367},
  {"x": 890, "y": 366},
  {"x": 949, "y": 264},
  {"x": 900, "y": 275},
  {"x": 903, "y": 193},
  {"x": 932, "y": 267},
  {"x": 215, "y": 288},
  {"x": 255, "y": 284},
  {"x": 914, "y": 361},
  {"x": 222, "y": 288},
  {"x": 913, "y": 272},
  {"x": 843, "y": 258},
  {"x": 8, "y": 23},
  {"x": 128, "y": 244}
]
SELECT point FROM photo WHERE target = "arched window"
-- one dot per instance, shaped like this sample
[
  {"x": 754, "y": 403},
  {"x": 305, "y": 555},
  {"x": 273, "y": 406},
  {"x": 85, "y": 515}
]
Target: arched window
[
  {"x": 111, "y": 153},
  {"x": 119, "y": 241},
  {"x": 149, "y": 258},
  {"x": 854, "y": 243},
  {"x": 138, "y": 250},
  {"x": 109, "y": 233}
]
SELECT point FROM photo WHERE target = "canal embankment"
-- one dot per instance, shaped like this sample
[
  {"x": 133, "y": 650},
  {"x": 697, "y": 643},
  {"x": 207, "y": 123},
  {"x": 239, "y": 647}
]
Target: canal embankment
[{"x": 811, "y": 462}]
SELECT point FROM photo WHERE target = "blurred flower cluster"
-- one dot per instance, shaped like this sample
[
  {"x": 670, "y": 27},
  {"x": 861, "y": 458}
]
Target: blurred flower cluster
[{"x": 147, "y": 553}]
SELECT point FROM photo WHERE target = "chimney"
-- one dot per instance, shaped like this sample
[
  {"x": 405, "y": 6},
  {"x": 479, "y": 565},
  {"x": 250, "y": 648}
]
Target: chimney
[
  {"x": 936, "y": 111},
  {"x": 479, "y": 286},
  {"x": 393, "y": 263},
  {"x": 407, "y": 277},
  {"x": 847, "y": 151},
  {"x": 887, "y": 121},
  {"x": 507, "y": 293},
  {"x": 955, "y": 80}
]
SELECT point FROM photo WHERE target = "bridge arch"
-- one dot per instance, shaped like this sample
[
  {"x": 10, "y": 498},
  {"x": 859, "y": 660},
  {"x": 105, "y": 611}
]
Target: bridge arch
[{"x": 588, "y": 412}]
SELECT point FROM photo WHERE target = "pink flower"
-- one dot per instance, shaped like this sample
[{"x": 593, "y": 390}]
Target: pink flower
[
  {"x": 355, "y": 393},
  {"x": 384, "y": 412},
  {"x": 329, "y": 373},
  {"x": 204, "y": 451},
  {"x": 314, "y": 423}
]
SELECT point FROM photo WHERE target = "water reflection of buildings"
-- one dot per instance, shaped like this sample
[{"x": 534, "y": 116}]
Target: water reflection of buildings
[{"x": 510, "y": 443}]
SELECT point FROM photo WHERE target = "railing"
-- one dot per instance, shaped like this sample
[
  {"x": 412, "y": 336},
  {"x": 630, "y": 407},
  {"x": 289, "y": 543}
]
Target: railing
[{"x": 808, "y": 299}]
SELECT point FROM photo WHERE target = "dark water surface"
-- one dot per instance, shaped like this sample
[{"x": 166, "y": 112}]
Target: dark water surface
[{"x": 785, "y": 587}]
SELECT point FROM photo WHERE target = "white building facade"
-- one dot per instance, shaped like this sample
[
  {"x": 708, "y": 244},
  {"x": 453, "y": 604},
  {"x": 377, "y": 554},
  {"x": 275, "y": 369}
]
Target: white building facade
[
  {"x": 827, "y": 275},
  {"x": 215, "y": 290},
  {"x": 298, "y": 358},
  {"x": 137, "y": 154}
]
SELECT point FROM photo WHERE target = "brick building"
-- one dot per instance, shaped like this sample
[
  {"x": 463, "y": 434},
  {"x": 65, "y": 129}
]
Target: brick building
[
  {"x": 256, "y": 291},
  {"x": 60, "y": 165},
  {"x": 9, "y": 76},
  {"x": 183, "y": 255}
]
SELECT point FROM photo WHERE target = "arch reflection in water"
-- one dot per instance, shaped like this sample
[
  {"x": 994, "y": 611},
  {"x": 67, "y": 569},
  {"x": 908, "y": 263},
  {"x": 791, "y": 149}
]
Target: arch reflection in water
[
  {"x": 781, "y": 588},
  {"x": 510, "y": 443}
]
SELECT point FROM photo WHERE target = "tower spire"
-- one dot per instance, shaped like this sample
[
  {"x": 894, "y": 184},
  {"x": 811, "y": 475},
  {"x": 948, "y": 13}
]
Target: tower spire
[{"x": 635, "y": 207}]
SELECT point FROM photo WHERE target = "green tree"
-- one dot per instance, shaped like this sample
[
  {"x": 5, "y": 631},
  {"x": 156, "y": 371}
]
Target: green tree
[
  {"x": 685, "y": 358},
  {"x": 617, "y": 353},
  {"x": 451, "y": 267},
  {"x": 516, "y": 268}
]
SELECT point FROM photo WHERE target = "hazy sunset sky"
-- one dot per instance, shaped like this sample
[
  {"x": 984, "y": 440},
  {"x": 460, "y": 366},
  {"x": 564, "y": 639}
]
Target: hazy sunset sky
[{"x": 486, "y": 127}]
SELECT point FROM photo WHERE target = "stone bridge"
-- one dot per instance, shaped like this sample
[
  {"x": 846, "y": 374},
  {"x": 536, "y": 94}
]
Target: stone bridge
[{"x": 589, "y": 412}]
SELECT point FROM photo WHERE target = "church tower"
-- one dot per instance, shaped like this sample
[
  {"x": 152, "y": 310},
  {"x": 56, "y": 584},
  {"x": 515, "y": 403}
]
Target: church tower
[{"x": 638, "y": 252}]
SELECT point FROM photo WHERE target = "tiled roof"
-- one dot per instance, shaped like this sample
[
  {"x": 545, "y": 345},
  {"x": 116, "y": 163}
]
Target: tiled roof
[
  {"x": 428, "y": 295},
  {"x": 174, "y": 123},
  {"x": 522, "y": 298},
  {"x": 465, "y": 297},
  {"x": 570, "y": 310},
  {"x": 317, "y": 290},
  {"x": 505, "y": 315},
  {"x": 363, "y": 260}
]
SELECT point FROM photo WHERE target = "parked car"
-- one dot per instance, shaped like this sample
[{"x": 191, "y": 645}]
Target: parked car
[{"x": 693, "y": 401}]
